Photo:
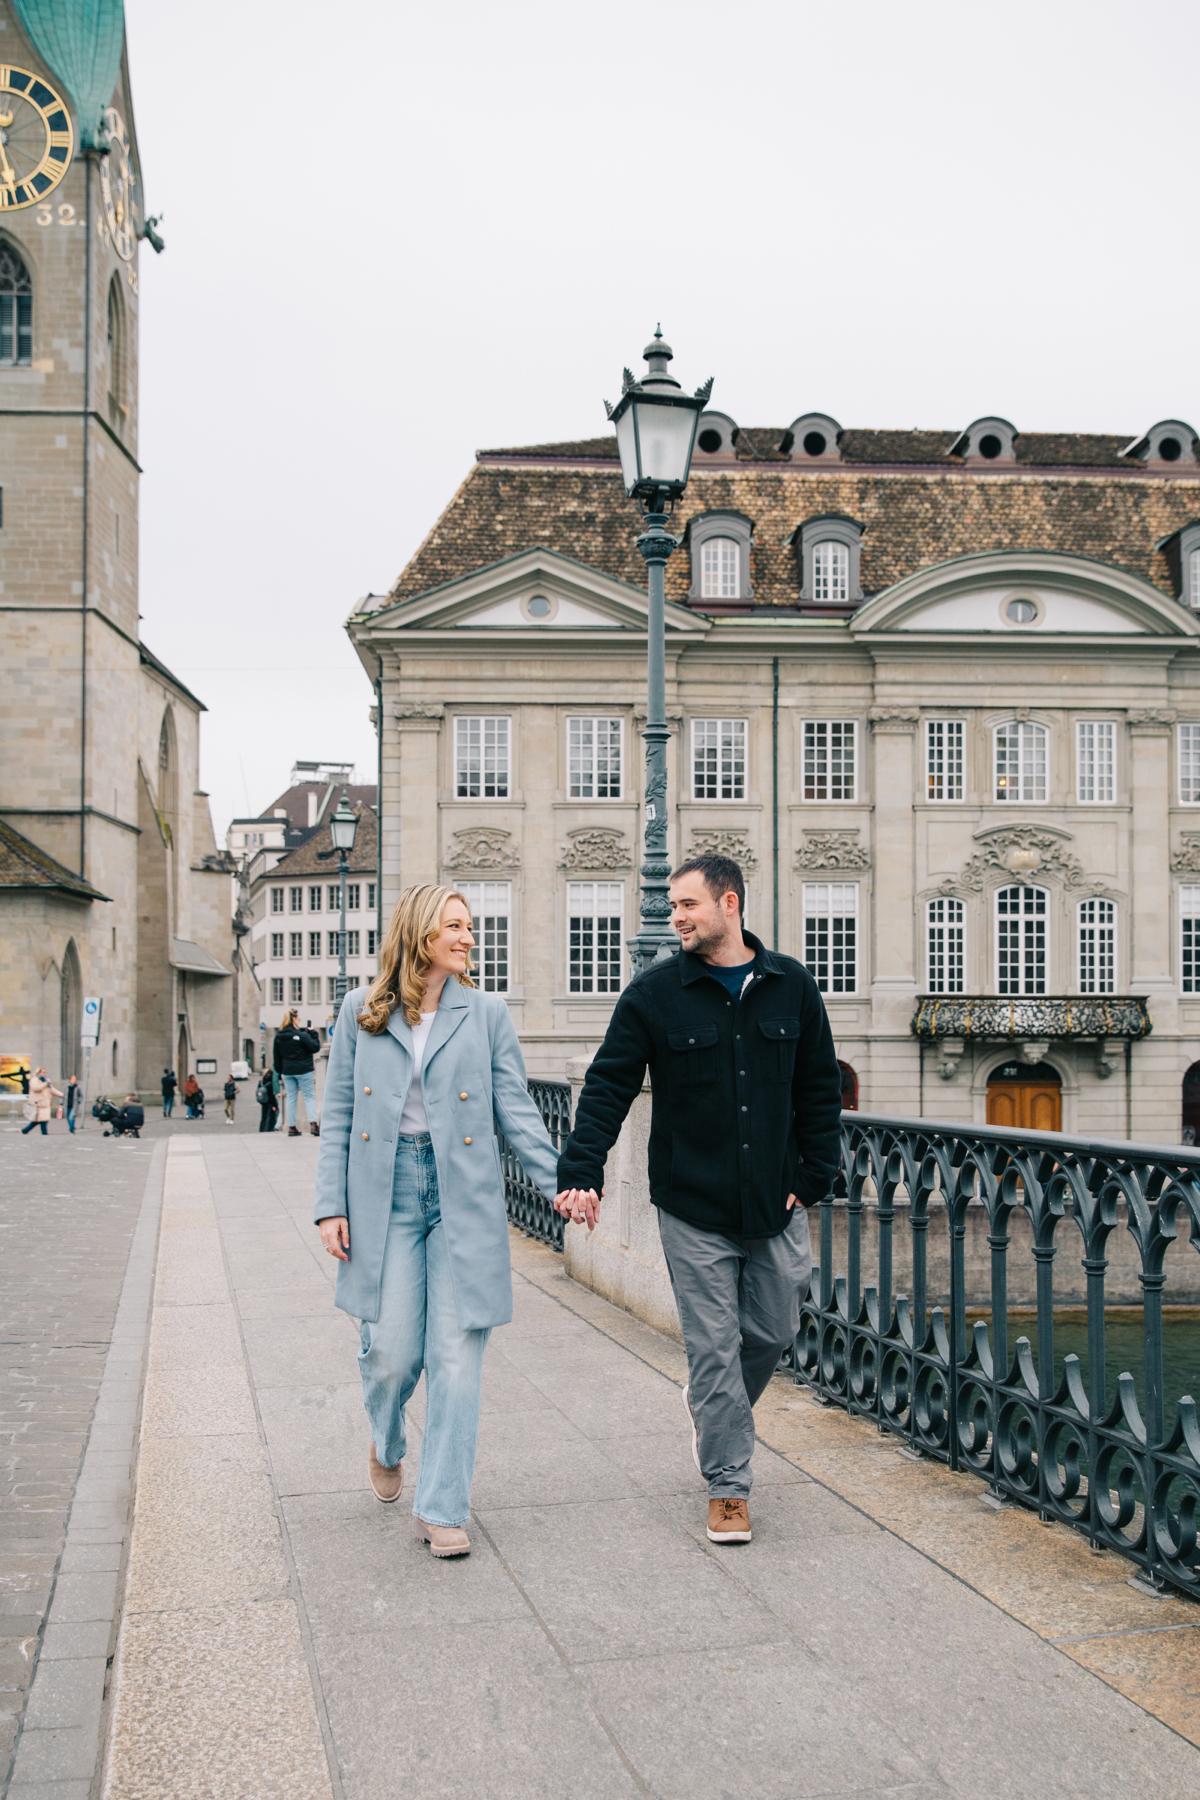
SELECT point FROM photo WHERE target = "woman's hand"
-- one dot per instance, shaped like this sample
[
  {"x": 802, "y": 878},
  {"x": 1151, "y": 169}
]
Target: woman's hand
[
  {"x": 335, "y": 1236},
  {"x": 580, "y": 1205}
]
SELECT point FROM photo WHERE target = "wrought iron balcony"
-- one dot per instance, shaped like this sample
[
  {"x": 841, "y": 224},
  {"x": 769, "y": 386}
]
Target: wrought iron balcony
[{"x": 1036, "y": 1017}]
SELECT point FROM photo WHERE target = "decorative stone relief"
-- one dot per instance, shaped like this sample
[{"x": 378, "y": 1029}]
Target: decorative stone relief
[
  {"x": 1023, "y": 852},
  {"x": 1186, "y": 860},
  {"x": 418, "y": 709},
  {"x": 894, "y": 718},
  {"x": 1152, "y": 718},
  {"x": 482, "y": 847},
  {"x": 595, "y": 847},
  {"x": 714, "y": 841},
  {"x": 832, "y": 850}
]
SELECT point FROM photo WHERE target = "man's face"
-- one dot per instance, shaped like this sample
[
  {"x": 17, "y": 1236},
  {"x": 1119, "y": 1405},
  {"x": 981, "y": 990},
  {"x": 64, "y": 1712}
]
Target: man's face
[{"x": 702, "y": 921}]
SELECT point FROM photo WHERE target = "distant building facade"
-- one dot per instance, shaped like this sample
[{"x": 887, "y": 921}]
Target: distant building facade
[
  {"x": 938, "y": 692},
  {"x": 111, "y": 882}
]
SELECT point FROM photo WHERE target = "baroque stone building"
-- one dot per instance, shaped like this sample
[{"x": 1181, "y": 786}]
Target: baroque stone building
[
  {"x": 111, "y": 882},
  {"x": 939, "y": 692}
]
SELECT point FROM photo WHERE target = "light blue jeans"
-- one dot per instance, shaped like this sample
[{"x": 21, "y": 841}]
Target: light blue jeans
[
  {"x": 418, "y": 1329},
  {"x": 305, "y": 1084}
]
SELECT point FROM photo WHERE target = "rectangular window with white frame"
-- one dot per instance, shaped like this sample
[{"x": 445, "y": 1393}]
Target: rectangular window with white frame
[
  {"x": 831, "y": 934},
  {"x": 1097, "y": 946},
  {"x": 276, "y": 945},
  {"x": 295, "y": 899},
  {"x": 1022, "y": 947},
  {"x": 1095, "y": 762},
  {"x": 1189, "y": 764},
  {"x": 482, "y": 757},
  {"x": 491, "y": 921},
  {"x": 831, "y": 572},
  {"x": 370, "y": 896},
  {"x": 1189, "y": 939},
  {"x": 719, "y": 759},
  {"x": 331, "y": 989},
  {"x": 594, "y": 758},
  {"x": 332, "y": 939},
  {"x": 719, "y": 569},
  {"x": 1022, "y": 762},
  {"x": 372, "y": 938},
  {"x": 277, "y": 990},
  {"x": 295, "y": 943},
  {"x": 335, "y": 896},
  {"x": 945, "y": 759},
  {"x": 830, "y": 759},
  {"x": 314, "y": 898},
  {"x": 276, "y": 899},
  {"x": 314, "y": 990},
  {"x": 595, "y": 933},
  {"x": 353, "y": 890},
  {"x": 352, "y": 942},
  {"x": 296, "y": 989},
  {"x": 945, "y": 931},
  {"x": 314, "y": 943}
]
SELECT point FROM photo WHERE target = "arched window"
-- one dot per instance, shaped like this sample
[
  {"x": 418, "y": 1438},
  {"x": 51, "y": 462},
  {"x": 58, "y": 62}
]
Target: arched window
[
  {"x": 944, "y": 934},
  {"x": 1021, "y": 942},
  {"x": 831, "y": 571},
  {"x": 1022, "y": 761},
  {"x": 849, "y": 1088},
  {"x": 117, "y": 408},
  {"x": 1193, "y": 580},
  {"x": 1097, "y": 946},
  {"x": 168, "y": 804},
  {"x": 16, "y": 308},
  {"x": 115, "y": 1059},
  {"x": 719, "y": 569},
  {"x": 70, "y": 1011}
]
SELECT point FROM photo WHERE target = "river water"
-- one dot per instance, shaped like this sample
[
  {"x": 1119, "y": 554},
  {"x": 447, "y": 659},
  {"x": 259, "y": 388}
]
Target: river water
[{"x": 1123, "y": 1347}]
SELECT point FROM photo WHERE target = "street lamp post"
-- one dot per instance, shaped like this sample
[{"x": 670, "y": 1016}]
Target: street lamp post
[
  {"x": 342, "y": 827},
  {"x": 656, "y": 425}
]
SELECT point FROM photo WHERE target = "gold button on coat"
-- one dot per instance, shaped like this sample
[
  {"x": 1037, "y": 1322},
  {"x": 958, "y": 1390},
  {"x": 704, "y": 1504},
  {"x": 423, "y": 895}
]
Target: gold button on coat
[
  {"x": 366, "y": 1135},
  {"x": 463, "y": 1095},
  {"x": 366, "y": 1090},
  {"x": 468, "y": 1140}
]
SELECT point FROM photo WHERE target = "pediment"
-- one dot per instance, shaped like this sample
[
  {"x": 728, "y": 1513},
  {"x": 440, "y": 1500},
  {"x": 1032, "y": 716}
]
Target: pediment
[
  {"x": 536, "y": 594},
  {"x": 1071, "y": 597}
]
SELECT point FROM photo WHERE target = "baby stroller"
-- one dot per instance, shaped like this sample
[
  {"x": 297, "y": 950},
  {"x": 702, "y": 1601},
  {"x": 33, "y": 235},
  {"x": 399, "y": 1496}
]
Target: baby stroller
[{"x": 122, "y": 1121}]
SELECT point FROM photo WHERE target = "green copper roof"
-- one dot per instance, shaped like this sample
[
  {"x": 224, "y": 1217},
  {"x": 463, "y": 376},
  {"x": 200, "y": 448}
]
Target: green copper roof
[{"x": 81, "y": 41}]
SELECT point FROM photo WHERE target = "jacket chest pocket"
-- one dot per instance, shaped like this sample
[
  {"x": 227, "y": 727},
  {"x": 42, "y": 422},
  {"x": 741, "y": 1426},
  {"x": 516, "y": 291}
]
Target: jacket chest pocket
[
  {"x": 780, "y": 1037},
  {"x": 694, "y": 1054}
]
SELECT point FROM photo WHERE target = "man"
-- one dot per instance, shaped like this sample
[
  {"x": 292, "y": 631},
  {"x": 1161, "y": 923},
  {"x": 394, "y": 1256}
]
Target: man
[
  {"x": 744, "y": 1123},
  {"x": 294, "y": 1050},
  {"x": 169, "y": 1084}
]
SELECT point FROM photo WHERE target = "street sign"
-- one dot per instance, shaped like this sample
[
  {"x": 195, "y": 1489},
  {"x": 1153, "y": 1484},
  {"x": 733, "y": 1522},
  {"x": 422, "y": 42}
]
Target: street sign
[{"x": 89, "y": 1036}]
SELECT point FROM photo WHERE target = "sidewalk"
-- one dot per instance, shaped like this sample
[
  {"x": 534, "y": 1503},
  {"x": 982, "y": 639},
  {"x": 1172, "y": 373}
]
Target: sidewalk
[{"x": 285, "y": 1635}]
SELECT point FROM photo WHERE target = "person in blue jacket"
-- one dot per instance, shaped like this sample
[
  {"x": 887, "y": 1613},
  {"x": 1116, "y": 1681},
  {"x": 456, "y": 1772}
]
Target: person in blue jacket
[{"x": 423, "y": 1067}]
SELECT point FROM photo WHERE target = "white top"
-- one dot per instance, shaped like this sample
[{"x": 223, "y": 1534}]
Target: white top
[{"x": 412, "y": 1119}]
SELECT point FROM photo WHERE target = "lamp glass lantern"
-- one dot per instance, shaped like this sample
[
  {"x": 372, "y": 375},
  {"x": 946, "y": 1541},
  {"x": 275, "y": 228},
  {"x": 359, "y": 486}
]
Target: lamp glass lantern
[
  {"x": 342, "y": 827},
  {"x": 656, "y": 425}
]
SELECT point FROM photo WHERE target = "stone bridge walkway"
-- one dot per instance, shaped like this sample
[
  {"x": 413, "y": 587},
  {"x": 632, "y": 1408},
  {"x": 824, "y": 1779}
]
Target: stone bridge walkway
[{"x": 281, "y": 1634}]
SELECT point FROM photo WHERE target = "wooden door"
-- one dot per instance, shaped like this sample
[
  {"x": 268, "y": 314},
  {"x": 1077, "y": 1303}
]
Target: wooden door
[{"x": 1025, "y": 1105}]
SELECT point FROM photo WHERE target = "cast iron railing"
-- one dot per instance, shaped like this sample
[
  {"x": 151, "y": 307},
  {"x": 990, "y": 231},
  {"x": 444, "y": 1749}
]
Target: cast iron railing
[
  {"x": 1080, "y": 1449},
  {"x": 527, "y": 1206}
]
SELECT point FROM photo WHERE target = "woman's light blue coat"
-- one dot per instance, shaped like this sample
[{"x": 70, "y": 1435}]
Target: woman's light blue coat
[{"x": 473, "y": 1079}]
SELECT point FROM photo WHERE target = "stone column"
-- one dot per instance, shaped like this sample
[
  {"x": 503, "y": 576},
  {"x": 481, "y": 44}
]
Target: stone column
[
  {"x": 893, "y": 964},
  {"x": 1150, "y": 794},
  {"x": 408, "y": 804}
]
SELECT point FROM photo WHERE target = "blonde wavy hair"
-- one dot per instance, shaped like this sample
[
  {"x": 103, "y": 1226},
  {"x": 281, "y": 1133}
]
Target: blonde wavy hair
[{"x": 404, "y": 959}]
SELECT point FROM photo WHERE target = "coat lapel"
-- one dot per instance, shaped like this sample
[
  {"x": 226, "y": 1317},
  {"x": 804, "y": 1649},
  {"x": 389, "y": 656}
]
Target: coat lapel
[
  {"x": 452, "y": 1010},
  {"x": 400, "y": 1028}
]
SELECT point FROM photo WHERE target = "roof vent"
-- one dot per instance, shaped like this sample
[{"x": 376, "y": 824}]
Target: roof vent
[
  {"x": 1170, "y": 441},
  {"x": 990, "y": 440},
  {"x": 813, "y": 437},
  {"x": 717, "y": 435}
]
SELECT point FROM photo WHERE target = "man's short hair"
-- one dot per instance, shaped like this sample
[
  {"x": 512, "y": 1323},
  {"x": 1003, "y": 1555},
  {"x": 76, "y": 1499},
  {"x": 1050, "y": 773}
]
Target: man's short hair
[{"x": 721, "y": 876}]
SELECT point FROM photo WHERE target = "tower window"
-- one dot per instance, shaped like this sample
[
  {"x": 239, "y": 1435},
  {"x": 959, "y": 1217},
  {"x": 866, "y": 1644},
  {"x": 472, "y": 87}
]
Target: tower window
[
  {"x": 16, "y": 309},
  {"x": 117, "y": 408}
]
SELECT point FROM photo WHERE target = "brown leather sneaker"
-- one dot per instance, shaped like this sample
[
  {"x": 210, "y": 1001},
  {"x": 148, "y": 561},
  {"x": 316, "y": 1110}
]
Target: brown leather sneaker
[
  {"x": 315, "y": 1129},
  {"x": 385, "y": 1483},
  {"x": 728, "y": 1522},
  {"x": 444, "y": 1540}
]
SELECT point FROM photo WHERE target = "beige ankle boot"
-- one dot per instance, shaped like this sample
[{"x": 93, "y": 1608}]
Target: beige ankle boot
[
  {"x": 385, "y": 1483},
  {"x": 444, "y": 1540}
]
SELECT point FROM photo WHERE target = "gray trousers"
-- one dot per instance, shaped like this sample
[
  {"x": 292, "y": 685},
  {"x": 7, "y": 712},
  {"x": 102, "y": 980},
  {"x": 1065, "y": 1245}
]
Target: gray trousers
[{"x": 739, "y": 1306}]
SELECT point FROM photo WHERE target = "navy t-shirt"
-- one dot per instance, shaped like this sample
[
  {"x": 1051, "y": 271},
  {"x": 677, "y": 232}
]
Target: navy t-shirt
[{"x": 732, "y": 980}]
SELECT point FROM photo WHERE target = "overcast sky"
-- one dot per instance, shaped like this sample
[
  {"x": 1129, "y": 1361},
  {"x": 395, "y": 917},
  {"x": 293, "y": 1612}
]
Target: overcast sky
[{"x": 398, "y": 233}]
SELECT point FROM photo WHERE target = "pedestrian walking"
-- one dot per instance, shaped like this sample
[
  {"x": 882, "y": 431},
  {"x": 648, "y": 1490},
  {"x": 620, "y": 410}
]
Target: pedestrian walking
[
  {"x": 267, "y": 1095},
  {"x": 42, "y": 1095},
  {"x": 193, "y": 1098},
  {"x": 169, "y": 1085},
  {"x": 744, "y": 1137},
  {"x": 73, "y": 1098},
  {"x": 294, "y": 1049},
  {"x": 410, "y": 1195},
  {"x": 230, "y": 1095}
]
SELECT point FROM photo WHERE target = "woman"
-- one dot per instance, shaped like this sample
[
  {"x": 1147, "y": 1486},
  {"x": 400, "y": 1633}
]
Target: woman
[
  {"x": 410, "y": 1195},
  {"x": 295, "y": 1047},
  {"x": 41, "y": 1097},
  {"x": 193, "y": 1097},
  {"x": 267, "y": 1095},
  {"x": 72, "y": 1102}
]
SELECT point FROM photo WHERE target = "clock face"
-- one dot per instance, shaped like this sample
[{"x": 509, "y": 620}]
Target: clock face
[
  {"x": 36, "y": 138},
  {"x": 118, "y": 186}
]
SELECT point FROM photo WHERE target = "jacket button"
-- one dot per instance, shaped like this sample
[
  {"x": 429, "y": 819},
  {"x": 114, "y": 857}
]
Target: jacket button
[
  {"x": 463, "y": 1095},
  {"x": 366, "y": 1090},
  {"x": 366, "y": 1135},
  {"x": 691, "y": 1040},
  {"x": 468, "y": 1140}
]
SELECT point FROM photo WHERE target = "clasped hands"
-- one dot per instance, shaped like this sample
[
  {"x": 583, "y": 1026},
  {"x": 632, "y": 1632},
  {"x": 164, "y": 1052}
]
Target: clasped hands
[{"x": 580, "y": 1205}]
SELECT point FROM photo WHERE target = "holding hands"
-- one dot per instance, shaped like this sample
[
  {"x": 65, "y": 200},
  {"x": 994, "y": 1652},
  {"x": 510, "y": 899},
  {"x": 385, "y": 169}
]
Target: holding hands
[{"x": 580, "y": 1205}]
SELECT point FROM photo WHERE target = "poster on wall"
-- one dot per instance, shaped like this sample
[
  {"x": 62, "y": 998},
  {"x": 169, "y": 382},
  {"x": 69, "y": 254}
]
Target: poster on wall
[{"x": 14, "y": 1073}]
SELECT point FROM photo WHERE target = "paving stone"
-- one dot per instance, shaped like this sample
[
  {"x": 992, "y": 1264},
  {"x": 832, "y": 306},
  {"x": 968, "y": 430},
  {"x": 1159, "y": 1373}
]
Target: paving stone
[{"x": 67, "y": 1693}]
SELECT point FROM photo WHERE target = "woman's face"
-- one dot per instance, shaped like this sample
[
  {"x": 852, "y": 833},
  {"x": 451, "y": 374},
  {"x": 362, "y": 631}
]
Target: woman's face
[{"x": 450, "y": 950}]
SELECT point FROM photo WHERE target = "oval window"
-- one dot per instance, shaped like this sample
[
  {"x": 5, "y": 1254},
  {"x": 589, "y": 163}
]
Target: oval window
[
  {"x": 539, "y": 607},
  {"x": 1021, "y": 612}
]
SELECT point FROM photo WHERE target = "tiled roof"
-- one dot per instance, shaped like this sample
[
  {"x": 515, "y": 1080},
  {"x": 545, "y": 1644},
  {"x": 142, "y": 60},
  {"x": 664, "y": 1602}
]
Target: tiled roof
[
  {"x": 917, "y": 449},
  {"x": 294, "y": 800},
  {"x": 910, "y": 520},
  {"x": 307, "y": 858},
  {"x": 24, "y": 866}
]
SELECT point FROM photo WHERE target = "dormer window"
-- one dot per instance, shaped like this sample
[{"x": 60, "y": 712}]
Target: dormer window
[
  {"x": 717, "y": 436},
  {"x": 828, "y": 551},
  {"x": 813, "y": 437},
  {"x": 1182, "y": 551},
  {"x": 1193, "y": 578},
  {"x": 1170, "y": 441},
  {"x": 720, "y": 549},
  {"x": 990, "y": 440}
]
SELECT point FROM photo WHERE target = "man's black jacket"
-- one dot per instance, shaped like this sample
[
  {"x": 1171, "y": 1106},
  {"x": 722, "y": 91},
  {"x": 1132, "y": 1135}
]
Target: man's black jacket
[
  {"x": 294, "y": 1051},
  {"x": 746, "y": 1098}
]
